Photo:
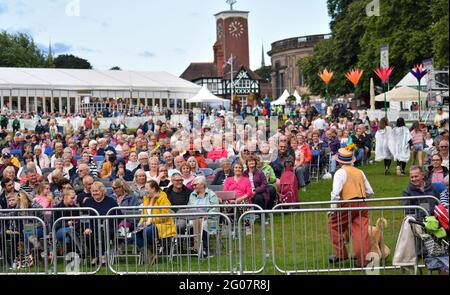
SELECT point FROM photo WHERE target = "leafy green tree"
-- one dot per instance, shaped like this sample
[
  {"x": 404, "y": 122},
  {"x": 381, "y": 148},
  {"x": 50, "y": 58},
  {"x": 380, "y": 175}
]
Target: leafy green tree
[
  {"x": 19, "y": 50},
  {"x": 69, "y": 61},
  {"x": 414, "y": 31},
  {"x": 265, "y": 73}
]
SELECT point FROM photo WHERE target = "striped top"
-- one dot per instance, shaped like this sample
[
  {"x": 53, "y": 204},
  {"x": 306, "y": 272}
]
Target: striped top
[{"x": 417, "y": 137}]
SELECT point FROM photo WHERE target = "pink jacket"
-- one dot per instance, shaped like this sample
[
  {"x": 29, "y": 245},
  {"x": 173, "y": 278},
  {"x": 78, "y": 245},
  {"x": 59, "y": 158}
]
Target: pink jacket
[
  {"x": 216, "y": 154},
  {"x": 243, "y": 187}
]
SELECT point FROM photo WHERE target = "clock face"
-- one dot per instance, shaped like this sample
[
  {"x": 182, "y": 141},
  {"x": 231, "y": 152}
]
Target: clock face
[
  {"x": 236, "y": 29},
  {"x": 219, "y": 30}
]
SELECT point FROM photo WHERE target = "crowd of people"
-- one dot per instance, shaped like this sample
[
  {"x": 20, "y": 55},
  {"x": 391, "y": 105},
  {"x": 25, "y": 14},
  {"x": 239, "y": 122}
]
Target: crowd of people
[{"x": 163, "y": 163}]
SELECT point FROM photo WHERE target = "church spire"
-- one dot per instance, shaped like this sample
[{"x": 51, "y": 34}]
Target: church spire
[
  {"x": 50, "y": 55},
  {"x": 263, "y": 61}
]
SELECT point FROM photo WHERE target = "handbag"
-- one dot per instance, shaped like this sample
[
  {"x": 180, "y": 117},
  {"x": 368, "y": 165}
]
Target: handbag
[{"x": 434, "y": 248}]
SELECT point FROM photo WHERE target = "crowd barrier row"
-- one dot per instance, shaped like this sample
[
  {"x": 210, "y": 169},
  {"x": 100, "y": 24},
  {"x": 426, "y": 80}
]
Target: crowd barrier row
[{"x": 232, "y": 239}]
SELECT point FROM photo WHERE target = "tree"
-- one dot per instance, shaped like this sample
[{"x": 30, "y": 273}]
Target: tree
[
  {"x": 115, "y": 68},
  {"x": 19, "y": 50},
  {"x": 265, "y": 73},
  {"x": 414, "y": 30},
  {"x": 69, "y": 61}
]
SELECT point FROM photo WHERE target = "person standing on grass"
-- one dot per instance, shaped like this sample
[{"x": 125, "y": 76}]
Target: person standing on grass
[
  {"x": 417, "y": 138},
  {"x": 382, "y": 151},
  {"x": 399, "y": 145},
  {"x": 349, "y": 183}
]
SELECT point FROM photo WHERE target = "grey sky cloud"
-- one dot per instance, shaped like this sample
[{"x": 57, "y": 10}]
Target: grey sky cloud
[{"x": 147, "y": 54}]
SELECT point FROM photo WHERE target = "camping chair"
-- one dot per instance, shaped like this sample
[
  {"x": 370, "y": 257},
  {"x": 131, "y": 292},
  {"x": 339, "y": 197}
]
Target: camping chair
[
  {"x": 17, "y": 154},
  {"x": 314, "y": 167}
]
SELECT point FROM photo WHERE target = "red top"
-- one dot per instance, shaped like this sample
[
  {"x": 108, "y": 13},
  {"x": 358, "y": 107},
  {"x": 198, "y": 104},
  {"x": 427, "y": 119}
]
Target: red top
[{"x": 307, "y": 152}]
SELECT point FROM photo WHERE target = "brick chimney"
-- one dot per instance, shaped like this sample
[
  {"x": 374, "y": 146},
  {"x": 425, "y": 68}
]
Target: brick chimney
[{"x": 218, "y": 58}]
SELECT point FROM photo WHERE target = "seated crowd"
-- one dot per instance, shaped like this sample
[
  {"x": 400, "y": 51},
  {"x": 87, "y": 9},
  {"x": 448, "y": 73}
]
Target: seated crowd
[{"x": 163, "y": 164}]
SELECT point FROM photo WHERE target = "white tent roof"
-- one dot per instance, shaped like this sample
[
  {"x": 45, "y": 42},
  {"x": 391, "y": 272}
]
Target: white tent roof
[
  {"x": 402, "y": 93},
  {"x": 297, "y": 97},
  {"x": 282, "y": 99},
  {"x": 78, "y": 79},
  {"x": 410, "y": 80},
  {"x": 205, "y": 96}
]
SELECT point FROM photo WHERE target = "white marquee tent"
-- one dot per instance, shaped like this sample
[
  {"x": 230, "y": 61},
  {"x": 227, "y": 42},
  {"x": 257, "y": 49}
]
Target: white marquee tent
[
  {"x": 205, "y": 96},
  {"x": 26, "y": 89},
  {"x": 282, "y": 99},
  {"x": 411, "y": 81},
  {"x": 298, "y": 98}
]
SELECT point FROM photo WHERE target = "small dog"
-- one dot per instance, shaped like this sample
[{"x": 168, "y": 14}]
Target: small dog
[{"x": 375, "y": 238}]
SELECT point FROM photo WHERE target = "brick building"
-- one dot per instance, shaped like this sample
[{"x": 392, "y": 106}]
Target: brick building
[
  {"x": 231, "y": 41},
  {"x": 285, "y": 54}
]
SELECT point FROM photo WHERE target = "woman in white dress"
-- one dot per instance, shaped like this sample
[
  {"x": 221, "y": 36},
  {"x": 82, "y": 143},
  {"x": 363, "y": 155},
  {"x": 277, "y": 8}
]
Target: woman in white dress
[
  {"x": 382, "y": 151},
  {"x": 399, "y": 145}
]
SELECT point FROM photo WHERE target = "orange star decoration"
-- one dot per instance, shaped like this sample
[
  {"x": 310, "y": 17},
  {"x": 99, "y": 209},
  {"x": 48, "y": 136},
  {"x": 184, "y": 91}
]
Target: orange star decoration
[
  {"x": 326, "y": 76},
  {"x": 354, "y": 75}
]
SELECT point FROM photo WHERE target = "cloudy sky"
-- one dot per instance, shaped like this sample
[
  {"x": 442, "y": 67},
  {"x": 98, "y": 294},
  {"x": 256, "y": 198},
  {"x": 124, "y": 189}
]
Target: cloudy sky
[{"x": 155, "y": 35}]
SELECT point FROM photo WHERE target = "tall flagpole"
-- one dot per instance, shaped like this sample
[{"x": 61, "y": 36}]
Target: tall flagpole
[{"x": 232, "y": 84}]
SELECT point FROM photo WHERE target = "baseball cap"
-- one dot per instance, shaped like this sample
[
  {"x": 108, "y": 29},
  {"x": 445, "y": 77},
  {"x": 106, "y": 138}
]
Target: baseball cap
[{"x": 172, "y": 172}]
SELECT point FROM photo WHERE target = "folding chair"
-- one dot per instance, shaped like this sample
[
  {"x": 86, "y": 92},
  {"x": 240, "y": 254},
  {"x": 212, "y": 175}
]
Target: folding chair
[
  {"x": 224, "y": 198},
  {"x": 176, "y": 243},
  {"x": 314, "y": 167},
  {"x": 215, "y": 187}
]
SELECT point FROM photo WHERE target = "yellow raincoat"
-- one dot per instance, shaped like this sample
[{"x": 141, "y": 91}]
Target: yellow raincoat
[{"x": 165, "y": 225}]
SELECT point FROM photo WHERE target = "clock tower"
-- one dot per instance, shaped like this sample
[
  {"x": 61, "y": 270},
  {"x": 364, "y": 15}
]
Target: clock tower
[{"x": 232, "y": 35}]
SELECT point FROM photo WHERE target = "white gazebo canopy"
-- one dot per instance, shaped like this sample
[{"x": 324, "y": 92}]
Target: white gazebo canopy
[
  {"x": 411, "y": 81},
  {"x": 282, "y": 99},
  {"x": 298, "y": 98},
  {"x": 401, "y": 94},
  {"x": 205, "y": 96}
]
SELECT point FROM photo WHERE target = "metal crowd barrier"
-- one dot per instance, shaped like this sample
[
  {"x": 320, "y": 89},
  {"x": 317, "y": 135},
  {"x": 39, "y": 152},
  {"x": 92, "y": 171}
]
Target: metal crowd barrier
[
  {"x": 232, "y": 211},
  {"x": 302, "y": 240},
  {"x": 367, "y": 200},
  {"x": 20, "y": 245},
  {"x": 159, "y": 255}
]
